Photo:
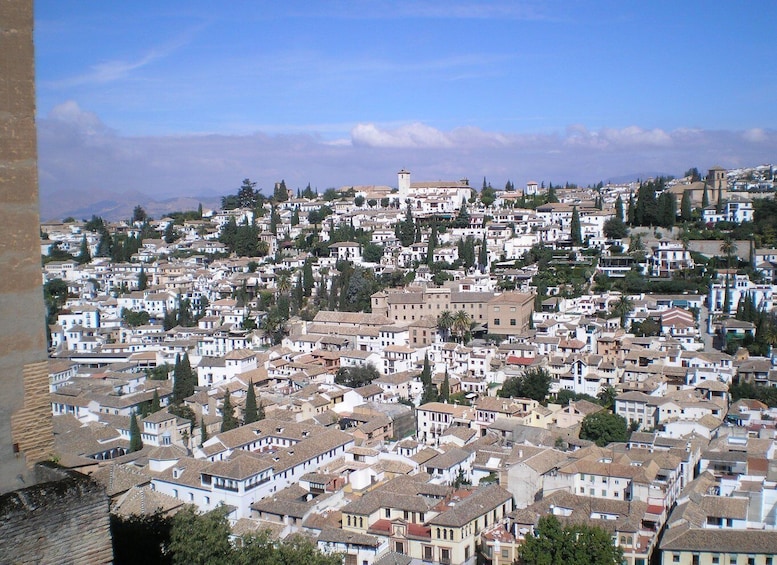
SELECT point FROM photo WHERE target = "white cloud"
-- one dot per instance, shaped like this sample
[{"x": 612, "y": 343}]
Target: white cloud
[
  {"x": 69, "y": 112},
  {"x": 606, "y": 138},
  {"x": 78, "y": 153},
  {"x": 755, "y": 135},
  {"x": 414, "y": 135}
]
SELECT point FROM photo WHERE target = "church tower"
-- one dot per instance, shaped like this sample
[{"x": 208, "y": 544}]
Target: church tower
[{"x": 403, "y": 184}]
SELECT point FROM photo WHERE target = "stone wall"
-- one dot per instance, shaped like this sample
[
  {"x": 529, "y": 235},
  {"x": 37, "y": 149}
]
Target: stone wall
[
  {"x": 63, "y": 519},
  {"x": 25, "y": 416}
]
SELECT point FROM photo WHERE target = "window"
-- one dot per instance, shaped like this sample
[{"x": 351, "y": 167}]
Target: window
[
  {"x": 512, "y": 321},
  {"x": 496, "y": 321},
  {"x": 675, "y": 558},
  {"x": 428, "y": 553},
  {"x": 388, "y": 512}
]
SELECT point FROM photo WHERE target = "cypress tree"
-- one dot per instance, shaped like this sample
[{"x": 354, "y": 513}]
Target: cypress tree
[
  {"x": 686, "y": 206},
  {"x": 577, "y": 237},
  {"x": 483, "y": 255},
  {"x": 136, "y": 442},
  {"x": 228, "y": 421},
  {"x": 307, "y": 278},
  {"x": 619, "y": 208},
  {"x": 251, "y": 414},
  {"x": 178, "y": 383},
  {"x": 432, "y": 244},
  {"x": 260, "y": 411},
  {"x": 445, "y": 388},
  {"x": 142, "y": 279},
  {"x": 705, "y": 199},
  {"x": 203, "y": 431},
  {"x": 429, "y": 390},
  {"x": 84, "y": 256},
  {"x": 727, "y": 298},
  {"x": 155, "y": 406},
  {"x": 184, "y": 379}
]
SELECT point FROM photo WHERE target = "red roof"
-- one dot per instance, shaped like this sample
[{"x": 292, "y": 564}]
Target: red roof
[
  {"x": 413, "y": 530},
  {"x": 655, "y": 509},
  {"x": 515, "y": 360}
]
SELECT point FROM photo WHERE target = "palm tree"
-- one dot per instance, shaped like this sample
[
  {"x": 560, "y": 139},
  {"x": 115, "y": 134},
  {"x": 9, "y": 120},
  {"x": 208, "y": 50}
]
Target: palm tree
[
  {"x": 622, "y": 308},
  {"x": 283, "y": 283},
  {"x": 461, "y": 325},
  {"x": 445, "y": 323},
  {"x": 729, "y": 249}
]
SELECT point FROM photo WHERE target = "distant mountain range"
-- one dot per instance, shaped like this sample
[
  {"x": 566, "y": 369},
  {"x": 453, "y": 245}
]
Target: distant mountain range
[{"x": 82, "y": 205}]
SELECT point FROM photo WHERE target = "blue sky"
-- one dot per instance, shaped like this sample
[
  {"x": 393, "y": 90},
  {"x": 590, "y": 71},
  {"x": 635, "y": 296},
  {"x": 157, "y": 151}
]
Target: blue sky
[{"x": 172, "y": 97}]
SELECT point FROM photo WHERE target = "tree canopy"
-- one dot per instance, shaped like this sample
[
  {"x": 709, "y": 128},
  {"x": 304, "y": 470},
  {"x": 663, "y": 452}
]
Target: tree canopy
[
  {"x": 572, "y": 544},
  {"x": 534, "y": 383},
  {"x": 356, "y": 377},
  {"x": 604, "y": 427}
]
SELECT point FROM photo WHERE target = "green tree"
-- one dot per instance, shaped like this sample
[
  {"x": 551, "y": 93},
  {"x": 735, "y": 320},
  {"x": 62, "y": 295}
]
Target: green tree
[
  {"x": 55, "y": 296},
  {"x": 487, "y": 196},
  {"x": 432, "y": 244},
  {"x": 134, "y": 319},
  {"x": 623, "y": 308},
  {"x": 667, "y": 209},
  {"x": 461, "y": 325},
  {"x": 445, "y": 323},
  {"x": 445, "y": 388},
  {"x": 203, "y": 431},
  {"x": 200, "y": 539},
  {"x": 372, "y": 253},
  {"x": 356, "y": 376},
  {"x": 729, "y": 248},
  {"x": 554, "y": 544},
  {"x": 142, "y": 279},
  {"x": 139, "y": 214},
  {"x": 646, "y": 207},
  {"x": 84, "y": 255},
  {"x": 604, "y": 427},
  {"x": 307, "y": 278},
  {"x": 705, "y": 198},
  {"x": 280, "y": 193},
  {"x": 246, "y": 194},
  {"x": 693, "y": 173},
  {"x": 184, "y": 379},
  {"x": 483, "y": 256},
  {"x": 615, "y": 229},
  {"x": 462, "y": 217},
  {"x": 619, "y": 208},
  {"x": 686, "y": 207},
  {"x": 534, "y": 383},
  {"x": 275, "y": 219},
  {"x": 250, "y": 414},
  {"x": 136, "y": 442},
  {"x": 171, "y": 234},
  {"x": 228, "y": 420},
  {"x": 606, "y": 397},
  {"x": 405, "y": 230},
  {"x": 155, "y": 405},
  {"x": 577, "y": 236}
]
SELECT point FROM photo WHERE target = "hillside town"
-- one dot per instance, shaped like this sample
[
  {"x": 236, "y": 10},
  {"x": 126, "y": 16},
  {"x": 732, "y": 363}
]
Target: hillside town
[{"x": 424, "y": 373}]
